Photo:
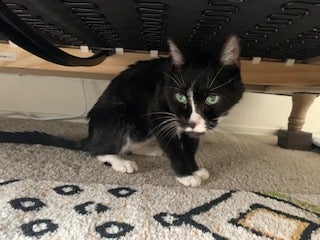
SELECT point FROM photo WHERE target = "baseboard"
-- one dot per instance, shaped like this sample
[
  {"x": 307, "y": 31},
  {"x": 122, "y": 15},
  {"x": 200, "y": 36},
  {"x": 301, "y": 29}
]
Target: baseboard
[
  {"x": 43, "y": 116},
  {"x": 250, "y": 130}
]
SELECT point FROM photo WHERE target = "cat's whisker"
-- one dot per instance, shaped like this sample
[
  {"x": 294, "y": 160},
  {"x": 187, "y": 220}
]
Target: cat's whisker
[
  {"x": 220, "y": 86},
  {"x": 164, "y": 120},
  {"x": 222, "y": 130},
  {"x": 158, "y": 113},
  {"x": 219, "y": 131},
  {"x": 163, "y": 124},
  {"x": 164, "y": 114},
  {"x": 213, "y": 122},
  {"x": 169, "y": 119},
  {"x": 176, "y": 81},
  {"x": 225, "y": 98},
  {"x": 173, "y": 133},
  {"x": 215, "y": 118},
  {"x": 208, "y": 81},
  {"x": 163, "y": 117},
  {"x": 166, "y": 130},
  {"x": 215, "y": 77},
  {"x": 179, "y": 89},
  {"x": 230, "y": 136},
  {"x": 181, "y": 80}
]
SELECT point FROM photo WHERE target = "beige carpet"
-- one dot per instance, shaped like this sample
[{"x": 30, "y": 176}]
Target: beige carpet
[
  {"x": 62, "y": 194},
  {"x": 252, "y": 163}
]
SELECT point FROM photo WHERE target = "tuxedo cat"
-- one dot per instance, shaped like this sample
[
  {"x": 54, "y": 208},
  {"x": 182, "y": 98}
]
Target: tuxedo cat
[{"x": 173, "y": 100}]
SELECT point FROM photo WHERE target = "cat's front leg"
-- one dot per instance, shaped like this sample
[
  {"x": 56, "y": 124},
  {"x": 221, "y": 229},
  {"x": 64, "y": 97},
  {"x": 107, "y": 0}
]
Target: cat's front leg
[
  {"x": 190, "y": 145},
  {"x": 183, "y": 161}
]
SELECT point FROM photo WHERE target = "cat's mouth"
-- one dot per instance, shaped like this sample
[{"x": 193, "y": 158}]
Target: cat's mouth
[
  {"x": 195, "y": 131},
  {"x": 194, "y": 134},
  {"x": 194, "y": 127}
]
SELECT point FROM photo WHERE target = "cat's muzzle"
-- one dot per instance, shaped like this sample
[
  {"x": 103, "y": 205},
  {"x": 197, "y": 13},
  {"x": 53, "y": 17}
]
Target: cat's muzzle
[{"x": 194, "y": 134}]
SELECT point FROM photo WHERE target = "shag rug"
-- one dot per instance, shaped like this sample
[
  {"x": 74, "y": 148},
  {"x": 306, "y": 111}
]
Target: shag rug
[{"x": 50, "y": 210}]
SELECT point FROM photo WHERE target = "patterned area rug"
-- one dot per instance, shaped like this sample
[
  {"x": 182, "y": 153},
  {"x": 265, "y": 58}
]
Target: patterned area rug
[{"x": 61, "y": 211}]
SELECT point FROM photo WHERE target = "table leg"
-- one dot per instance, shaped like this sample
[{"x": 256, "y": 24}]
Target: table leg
[{"x": 294, "y": 137}]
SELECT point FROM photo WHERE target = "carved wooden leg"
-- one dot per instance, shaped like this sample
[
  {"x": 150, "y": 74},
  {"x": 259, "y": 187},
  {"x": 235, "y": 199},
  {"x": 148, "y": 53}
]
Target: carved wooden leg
[{"x": 294, "y": 138}]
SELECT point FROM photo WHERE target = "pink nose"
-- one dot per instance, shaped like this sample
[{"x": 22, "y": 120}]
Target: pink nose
[
  {"x": 194, "y": 120},
  {"x": 193, "y": 123}
]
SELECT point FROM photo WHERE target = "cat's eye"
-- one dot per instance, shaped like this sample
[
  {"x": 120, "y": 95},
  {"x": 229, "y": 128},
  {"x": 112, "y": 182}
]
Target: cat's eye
[
  {"x": 212, "y": 99},
  {"x": 181, "y": 98}
]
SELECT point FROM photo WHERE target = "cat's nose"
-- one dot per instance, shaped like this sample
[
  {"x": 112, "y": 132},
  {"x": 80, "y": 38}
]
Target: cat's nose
[
  {"x": 193, "y": 124},
  {"x": 194, "y": 120}
]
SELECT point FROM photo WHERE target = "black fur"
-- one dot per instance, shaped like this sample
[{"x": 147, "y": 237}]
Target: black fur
[
  {"x": 139, "y": 104},
  {"x": 43, "y": 139}
]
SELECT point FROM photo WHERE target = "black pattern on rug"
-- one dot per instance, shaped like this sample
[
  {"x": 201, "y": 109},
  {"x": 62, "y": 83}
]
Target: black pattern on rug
[{"x": 51, "y": 210}]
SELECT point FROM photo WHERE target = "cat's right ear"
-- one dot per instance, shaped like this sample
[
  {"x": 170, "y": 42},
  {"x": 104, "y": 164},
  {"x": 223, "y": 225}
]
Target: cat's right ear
[
  {"x": 175, "y": 54},
  {"x": 231, "y": 52}
]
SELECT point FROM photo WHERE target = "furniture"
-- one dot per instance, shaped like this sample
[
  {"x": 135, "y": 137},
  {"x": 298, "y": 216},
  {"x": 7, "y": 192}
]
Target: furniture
[{"x": 279, "y": 38}]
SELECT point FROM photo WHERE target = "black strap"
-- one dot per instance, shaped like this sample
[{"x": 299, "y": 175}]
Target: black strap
[{"x": 24, "y": 36}]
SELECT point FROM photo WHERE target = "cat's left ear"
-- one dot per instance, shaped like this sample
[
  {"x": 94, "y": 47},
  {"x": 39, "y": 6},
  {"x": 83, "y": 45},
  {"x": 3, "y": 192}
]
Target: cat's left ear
[
  {"x": 175, "y": 54},
  {"x": 231, "y": 52}
]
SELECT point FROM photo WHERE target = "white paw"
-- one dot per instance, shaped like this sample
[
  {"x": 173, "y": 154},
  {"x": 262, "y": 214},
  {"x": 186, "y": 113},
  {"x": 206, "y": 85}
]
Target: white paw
[
  {"x": 202, "y": 173},
  {"x": 195, "y": 179},
  {"x": 125, "y": 166},
  {"x": 190, "y": 181},
  {"x": 119, "y": 164}
]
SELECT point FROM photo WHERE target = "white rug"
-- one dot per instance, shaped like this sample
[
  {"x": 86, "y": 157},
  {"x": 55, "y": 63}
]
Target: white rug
[{"x": 61, "y": 211}]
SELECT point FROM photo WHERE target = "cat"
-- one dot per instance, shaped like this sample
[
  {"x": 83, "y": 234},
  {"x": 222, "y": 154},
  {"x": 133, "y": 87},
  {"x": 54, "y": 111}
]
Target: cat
[{"x": 173, "y": 100}]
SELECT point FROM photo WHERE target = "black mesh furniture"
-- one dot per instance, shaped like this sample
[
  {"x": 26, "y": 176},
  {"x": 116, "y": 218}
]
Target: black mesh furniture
[{"x": 278, "y": 32}]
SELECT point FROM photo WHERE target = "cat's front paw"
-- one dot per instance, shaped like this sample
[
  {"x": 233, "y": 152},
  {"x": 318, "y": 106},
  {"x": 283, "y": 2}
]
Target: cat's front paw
[
  {"x": 190, "y": 181},
  {"x": 125, "y": 166},
  {"x": 118, "y": 164},
  {"x": 202, "y": 173},
  {"x": 195, "y": 179}
]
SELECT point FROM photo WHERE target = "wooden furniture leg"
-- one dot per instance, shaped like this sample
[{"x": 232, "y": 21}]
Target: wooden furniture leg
[{"x": 294, "y": 138}]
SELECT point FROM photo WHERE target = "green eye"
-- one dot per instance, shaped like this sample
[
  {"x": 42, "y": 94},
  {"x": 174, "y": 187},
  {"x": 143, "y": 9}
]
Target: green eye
[
  {"x": 181, "y": 98},
  {"x": 213, "y": 99}
]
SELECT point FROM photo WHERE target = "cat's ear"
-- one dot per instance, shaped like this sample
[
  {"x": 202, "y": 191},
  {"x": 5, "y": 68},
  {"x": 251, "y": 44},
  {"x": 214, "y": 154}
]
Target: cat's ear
[
  {"x": 231, "y": 52},
  {"x": 175, "y": 54}
]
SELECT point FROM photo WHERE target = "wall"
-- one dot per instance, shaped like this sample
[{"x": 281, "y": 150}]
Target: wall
[{"x": 59, "y": 97}]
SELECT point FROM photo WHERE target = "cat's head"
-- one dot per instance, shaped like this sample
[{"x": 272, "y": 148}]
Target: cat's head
[{"x": 200, "y": 88}]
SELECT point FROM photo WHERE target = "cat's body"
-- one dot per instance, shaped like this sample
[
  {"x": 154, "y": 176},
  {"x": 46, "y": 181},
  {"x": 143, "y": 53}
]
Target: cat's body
[{"x": 174, "y": 100}]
